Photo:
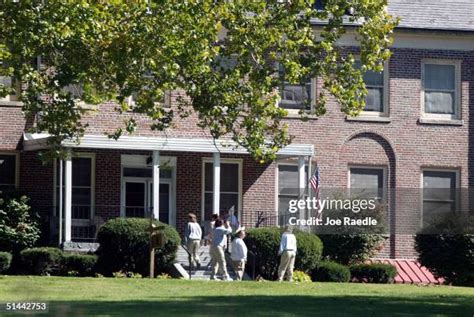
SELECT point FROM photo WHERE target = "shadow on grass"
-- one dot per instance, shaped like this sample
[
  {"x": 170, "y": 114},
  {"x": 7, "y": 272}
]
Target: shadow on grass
[{"x": 270, "y": 306}]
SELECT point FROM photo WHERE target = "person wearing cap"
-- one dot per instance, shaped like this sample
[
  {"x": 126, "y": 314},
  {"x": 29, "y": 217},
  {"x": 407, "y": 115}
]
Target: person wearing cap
[
  {"x": 218, "y": 246},
  {"x": 287, "y": 252},
  {"x": 192, "y": 237},
  {"x": 239, "y": 253}
]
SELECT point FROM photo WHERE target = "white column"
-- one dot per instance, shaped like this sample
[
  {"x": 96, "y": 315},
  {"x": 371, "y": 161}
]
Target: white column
[
  {"x": 216, "y": 192},
  {"x": 156, "y": 185},
  {"x": 301, "y": 181},
  {"x": 310, "y": 190},
  {"x": 68, "y": 199},
  {"x": 61, "y": 201}
]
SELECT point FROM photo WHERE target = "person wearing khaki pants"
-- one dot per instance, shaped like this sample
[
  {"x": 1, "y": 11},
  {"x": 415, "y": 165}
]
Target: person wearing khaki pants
[
  {"x": 192, "y": 236},
  {"x": 288, "y": 254},
  {"x": 239, "y": 253},
  {"x": 218, "y": 246}
]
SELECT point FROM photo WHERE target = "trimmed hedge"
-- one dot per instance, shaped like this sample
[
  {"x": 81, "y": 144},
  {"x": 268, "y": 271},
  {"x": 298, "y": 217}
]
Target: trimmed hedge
[
  {"x": 41, "y": 261},
  {"x": 124, "y": 246},
  {"x": 351, "y": 248},
  {"x": 328, "y": 271},
  {"x": 449, "y": 256},
  {"x": 83, "y": 264},
  {"x": 373, "y": 273},
  {"x": 5, "y": 261},
  {"x": 265, "y": 242}
]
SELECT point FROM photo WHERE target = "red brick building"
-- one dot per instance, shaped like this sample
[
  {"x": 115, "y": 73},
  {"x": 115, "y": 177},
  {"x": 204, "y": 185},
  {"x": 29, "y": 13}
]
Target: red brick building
[{"x": 415, "y": 133}]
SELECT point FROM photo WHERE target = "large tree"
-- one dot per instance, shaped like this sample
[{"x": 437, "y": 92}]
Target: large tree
[{"x": 224, "y": 55}]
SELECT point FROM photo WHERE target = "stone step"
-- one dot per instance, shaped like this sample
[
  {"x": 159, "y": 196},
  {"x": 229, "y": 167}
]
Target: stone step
[{"x": 204, "y": 271}]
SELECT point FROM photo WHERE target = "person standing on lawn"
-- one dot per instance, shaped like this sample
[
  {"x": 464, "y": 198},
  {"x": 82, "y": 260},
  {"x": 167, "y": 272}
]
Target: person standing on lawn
[
  {"x": 287, "y": 252},
  {"x": 218, "y": 246},
  {"x": 192, "y": 236},
  {"x": 239, "y": 253}
]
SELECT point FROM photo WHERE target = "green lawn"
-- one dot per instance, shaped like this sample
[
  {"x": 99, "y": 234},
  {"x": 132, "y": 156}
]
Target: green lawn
[{"x": 143, "y": 297}]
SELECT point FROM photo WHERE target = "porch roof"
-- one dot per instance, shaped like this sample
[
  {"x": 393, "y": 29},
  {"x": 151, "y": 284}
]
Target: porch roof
[{"x": 38, "y": 141}]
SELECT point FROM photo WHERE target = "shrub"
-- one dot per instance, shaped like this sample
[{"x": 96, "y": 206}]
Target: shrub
[
  {"x": 83, "y": 264},
  {"x": 328, "y": 271},
  {"x": 41, "y": 261},
  {"x": 448, "y": 256},
  {"x": 309, "y": 251},
  {"x": 5, "y": 261},
  {"x": 373, "y": 273},
  {"x": 265, "y": 242},
  {"x": 352, "y": 244},
  {"x": 351, "y": 248},
  {"x": 124, "y": 246},
  {"x": 119, "y": 274},
  {"x": 164, "y": 276},
  {"x": 301, "y": 277},
  {"x": 122, "y": 274},
  {"x": 18, "y": 227}
]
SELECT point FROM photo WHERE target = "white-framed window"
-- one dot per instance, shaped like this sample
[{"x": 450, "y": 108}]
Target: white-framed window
[
  {"x": 10, "y": 82},
  {"x": 440, "y": 196},
  {"x": 9, "y": 171},
  {"x": 296, "y": 97},
  {"x": 377, "y": 85},
  {"x": 76, "y": 91},
  {"x": 441, "y": 89},
  {"x": 288, "y": 188},
  {"x": 83, "y": 186},
  {"x": 368, "y": 182},
  {"x": 230, "y": 189},
  {"x": 165, "y": 102},
  {"x": 136, "y": 194}
]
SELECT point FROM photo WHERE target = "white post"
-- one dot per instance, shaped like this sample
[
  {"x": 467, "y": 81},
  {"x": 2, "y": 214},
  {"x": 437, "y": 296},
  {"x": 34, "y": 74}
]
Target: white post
[
  {"x": 217, "y": 183},
  {"x": 61, "y": 190},
  {"x": 68, "y": 199},
  {"x": 310, "y": 190},
  {"x": 156, "y": 185},
  {"x": 301, "y": 181}
]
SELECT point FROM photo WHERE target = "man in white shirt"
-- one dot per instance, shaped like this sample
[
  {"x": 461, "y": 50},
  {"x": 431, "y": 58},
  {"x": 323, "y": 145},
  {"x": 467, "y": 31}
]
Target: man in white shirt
[
  {"x": 192, "y": 237},
  {"x": 288, "y": 254},
  {"x": 218, "y": 246},
  {"x": 209, "y": 226},
  {"x": 239, "y": 253}
]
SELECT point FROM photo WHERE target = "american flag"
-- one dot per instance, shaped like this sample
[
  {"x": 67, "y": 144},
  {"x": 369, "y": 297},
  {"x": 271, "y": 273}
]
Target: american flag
[{"x": 315, "y": 181}]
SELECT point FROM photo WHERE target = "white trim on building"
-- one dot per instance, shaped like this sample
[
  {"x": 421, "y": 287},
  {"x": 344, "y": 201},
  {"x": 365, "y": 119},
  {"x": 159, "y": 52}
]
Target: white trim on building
[{"x": 34, "y": 142}]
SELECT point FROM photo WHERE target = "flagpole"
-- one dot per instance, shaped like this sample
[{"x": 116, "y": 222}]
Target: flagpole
[{"x": 310, "y": 173}]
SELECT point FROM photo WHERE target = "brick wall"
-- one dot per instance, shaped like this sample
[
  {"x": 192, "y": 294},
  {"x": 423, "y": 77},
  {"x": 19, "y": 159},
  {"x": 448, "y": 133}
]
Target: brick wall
[
  {"x": 36, "y": 181},
  {"x": 403, "y": 145},
  {"x": 12, "y": 124}
]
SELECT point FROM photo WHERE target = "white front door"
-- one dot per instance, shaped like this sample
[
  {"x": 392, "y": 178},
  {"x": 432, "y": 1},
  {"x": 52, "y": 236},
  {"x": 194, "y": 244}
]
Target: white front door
[{"x": 137, "y": 188}]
